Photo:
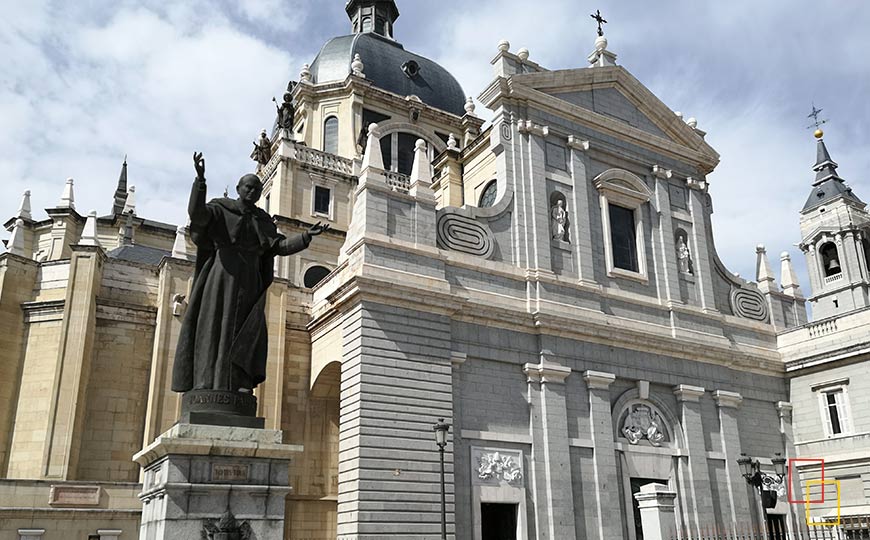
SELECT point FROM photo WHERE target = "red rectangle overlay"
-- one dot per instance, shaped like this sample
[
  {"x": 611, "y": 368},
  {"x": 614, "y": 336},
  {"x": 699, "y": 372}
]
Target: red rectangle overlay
[{"x": 800, "y": 499}]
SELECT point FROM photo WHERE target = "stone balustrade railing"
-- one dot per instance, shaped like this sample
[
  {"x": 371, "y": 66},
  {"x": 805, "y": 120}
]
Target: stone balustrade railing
[{"x": 398, "y": 181}]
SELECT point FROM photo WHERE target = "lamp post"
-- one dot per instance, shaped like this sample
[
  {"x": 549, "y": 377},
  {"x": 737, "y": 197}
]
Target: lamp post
[
  {"x": 763, "y": 482},
  {"x": 441, "y": 429}
]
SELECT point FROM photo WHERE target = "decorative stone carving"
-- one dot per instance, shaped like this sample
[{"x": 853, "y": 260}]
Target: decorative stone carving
[
  {"x": 459, "y": 233},
  {"x": 642, "y": 422},
  {"x": 558, "y": 221},
  {"x": 748, "y": 304},
  {"x": 496, "y": 465},
  {"x": 226, "y": 528}
]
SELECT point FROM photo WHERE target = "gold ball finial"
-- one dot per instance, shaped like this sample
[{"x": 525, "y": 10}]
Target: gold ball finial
[{"x": 818, "y": 134}]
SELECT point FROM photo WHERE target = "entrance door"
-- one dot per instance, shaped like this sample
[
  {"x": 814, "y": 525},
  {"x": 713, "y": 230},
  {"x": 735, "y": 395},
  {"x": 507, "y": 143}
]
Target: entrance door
[
  {"x": 498, "y": 521},
  {"x": 636, "y": 484}
]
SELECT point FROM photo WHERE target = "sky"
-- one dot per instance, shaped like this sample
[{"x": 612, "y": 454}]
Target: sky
[{"x": 83, "y": 84}]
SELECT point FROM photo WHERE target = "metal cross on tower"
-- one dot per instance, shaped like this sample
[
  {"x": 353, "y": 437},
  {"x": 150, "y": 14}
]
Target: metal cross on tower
[
  {"x": 815, "y": 116},
  {"x": 598, "y": 18}
]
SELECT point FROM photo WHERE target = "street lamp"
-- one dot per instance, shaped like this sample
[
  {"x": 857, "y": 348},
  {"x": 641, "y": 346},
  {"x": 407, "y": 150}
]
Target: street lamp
[
  {"x": 441, "y": 429},
  {"x": 763, "y": 482}
]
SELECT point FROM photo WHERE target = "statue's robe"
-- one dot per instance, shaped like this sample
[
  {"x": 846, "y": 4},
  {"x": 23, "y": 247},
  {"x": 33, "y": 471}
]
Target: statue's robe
[{"x": 223, "y": 341}]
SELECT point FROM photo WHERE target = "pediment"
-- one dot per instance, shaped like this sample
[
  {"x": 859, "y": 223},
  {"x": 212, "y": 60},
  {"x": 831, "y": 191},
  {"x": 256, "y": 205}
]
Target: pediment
[{"x": 612, "y": 94}]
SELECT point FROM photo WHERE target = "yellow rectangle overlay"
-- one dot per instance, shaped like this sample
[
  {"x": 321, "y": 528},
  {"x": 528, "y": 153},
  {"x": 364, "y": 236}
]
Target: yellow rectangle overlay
[{"x": 823, "y": 483}]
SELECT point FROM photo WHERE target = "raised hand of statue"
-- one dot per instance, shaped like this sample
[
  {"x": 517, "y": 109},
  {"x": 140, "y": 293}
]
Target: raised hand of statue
[
  {"x": 199, "y": 165},
  {"x": 318, "y": 228}
]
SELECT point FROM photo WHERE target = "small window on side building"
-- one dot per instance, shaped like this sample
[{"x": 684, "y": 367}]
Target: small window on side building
[{"x": 322, "y": 200}]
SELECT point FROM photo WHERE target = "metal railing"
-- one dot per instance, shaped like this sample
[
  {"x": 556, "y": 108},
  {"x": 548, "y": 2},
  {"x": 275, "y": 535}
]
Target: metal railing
[{"x": 848, "y": 528}]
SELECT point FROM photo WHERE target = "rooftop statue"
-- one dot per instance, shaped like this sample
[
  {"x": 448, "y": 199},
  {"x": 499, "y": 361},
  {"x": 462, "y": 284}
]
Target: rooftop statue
[{"x": 223, "y": 341}]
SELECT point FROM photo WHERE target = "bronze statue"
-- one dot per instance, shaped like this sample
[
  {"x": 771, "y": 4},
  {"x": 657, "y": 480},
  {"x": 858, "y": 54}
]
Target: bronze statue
[{"x": 223, "y": 341}]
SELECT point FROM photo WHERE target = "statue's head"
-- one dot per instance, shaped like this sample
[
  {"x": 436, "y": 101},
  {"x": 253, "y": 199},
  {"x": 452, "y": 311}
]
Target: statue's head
[{"x": 249, "y": 189}]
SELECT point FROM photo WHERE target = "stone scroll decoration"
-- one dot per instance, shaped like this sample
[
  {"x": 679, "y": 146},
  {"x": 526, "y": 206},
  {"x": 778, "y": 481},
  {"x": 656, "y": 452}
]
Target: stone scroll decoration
[
  {"x": 465, "y": 235},
  {"x": 748, "y": 304},
  {"x": 494, "y": 466},
  {"x": 643, "y": 422}
]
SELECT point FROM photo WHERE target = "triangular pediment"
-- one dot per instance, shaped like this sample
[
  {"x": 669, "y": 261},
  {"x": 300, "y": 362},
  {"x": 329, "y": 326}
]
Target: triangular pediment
[{"x": 612, "y": 93}]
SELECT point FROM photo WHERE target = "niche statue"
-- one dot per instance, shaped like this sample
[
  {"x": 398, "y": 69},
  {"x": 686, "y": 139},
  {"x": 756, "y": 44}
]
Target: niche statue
[{"x": 223, "y": 343}]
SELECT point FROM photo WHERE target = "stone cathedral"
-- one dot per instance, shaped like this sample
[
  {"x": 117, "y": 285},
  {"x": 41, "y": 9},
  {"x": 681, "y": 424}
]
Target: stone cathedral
[{"x": 546, "y": 281}]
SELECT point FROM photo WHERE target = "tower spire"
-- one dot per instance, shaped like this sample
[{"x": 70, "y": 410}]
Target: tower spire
[{"x": 121, "y": 191}]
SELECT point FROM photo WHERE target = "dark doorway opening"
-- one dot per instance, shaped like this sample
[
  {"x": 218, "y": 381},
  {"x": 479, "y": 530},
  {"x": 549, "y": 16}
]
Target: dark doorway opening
[
  {"x": 636, "y": 484},
  {"x": 498, "y": 521}
]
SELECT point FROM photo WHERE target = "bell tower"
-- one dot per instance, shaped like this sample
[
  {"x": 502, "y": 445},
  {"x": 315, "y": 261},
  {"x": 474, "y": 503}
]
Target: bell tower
[
  {"x": 835, "y": 239},
  {"x": 374, "y": 16}
]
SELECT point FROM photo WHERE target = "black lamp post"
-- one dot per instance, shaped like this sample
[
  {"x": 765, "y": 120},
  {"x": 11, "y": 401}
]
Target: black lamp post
[
  {"x": 763, "y": 482},
  {"x": 441, "y": 429}
]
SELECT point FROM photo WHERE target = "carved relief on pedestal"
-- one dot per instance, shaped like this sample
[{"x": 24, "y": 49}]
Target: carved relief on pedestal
[{"x": 497, "y": 466}]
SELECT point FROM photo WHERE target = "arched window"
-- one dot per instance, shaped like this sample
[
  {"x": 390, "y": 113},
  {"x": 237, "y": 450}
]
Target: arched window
[
  {"x": 487, "y": 196},
  {"x": 314, "y": 275},
  {"x": 330, "y": 135},
  {"x": 367, "y": 23},
  {"x": 830, "y": 259}
]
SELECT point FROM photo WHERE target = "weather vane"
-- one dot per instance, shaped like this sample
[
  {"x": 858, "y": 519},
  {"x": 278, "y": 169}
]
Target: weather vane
[
  {"x": 816, "y": 122},
  {"x": 598, "y": 18}
]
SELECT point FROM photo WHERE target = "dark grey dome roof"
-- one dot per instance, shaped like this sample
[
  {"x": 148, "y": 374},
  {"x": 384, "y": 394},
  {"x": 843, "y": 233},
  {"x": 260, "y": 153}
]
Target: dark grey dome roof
[{"x": 383, "y": 59}]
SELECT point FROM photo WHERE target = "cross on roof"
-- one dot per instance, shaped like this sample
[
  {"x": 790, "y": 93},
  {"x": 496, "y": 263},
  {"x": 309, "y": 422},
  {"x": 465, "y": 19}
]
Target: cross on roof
[
  {"x": 597, "y": 16},
  {"x": 815, "y": 116}
]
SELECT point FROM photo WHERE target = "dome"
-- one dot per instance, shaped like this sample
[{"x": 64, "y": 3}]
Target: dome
[{"x": 390, "y": 67}]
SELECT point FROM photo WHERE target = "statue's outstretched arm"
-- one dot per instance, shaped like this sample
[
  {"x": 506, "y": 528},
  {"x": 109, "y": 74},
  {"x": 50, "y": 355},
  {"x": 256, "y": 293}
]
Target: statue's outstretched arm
[
  {"x": 196, "y": 209},
  {"x": 294, "y": 244}
]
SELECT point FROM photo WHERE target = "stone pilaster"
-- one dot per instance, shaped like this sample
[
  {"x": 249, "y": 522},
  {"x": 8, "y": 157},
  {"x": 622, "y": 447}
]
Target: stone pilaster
[
  {"x": 656, "y": 505},
  {"x": 69, "y": 395},
  {"x": 581, "y": 233},
  {"x": 17, "y": 281},
  {"x": 551, "y": 463},
  {"x": 736, "y": 508},
  {"x": 700, "y": 503},
  {"x": 700, "y": 249},
  {"x": 536, "y": 199},
  {"x": 599, "y": 522},
  {"x": 664, "y": 240},
  {"x": 796, "y": 517}
]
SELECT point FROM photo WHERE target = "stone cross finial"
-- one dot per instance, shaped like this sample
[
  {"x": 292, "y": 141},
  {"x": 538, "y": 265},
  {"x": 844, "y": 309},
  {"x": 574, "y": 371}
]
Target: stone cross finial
[
  {"x": 67, "y": 198},
  {"x": 600, "y": 20},
  {"x": 89, "y": 233},
  {"x": 24, "y": 207}
]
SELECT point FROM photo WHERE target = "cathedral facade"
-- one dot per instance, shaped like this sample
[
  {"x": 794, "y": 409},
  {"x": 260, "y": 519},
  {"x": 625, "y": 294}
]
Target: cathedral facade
[{"x": 546, "y": 281}]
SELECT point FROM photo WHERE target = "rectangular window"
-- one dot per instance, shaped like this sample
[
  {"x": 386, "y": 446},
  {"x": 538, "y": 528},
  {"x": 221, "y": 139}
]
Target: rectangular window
[
  {"x": 387, "y": 152},
  {"x": 556, "y": 156},
  {"x": 406, "y": 152},
  {"x": 622, "y": 238},
  {"x": 322, "y": 201},
  {"x": 835, "y": 412}
]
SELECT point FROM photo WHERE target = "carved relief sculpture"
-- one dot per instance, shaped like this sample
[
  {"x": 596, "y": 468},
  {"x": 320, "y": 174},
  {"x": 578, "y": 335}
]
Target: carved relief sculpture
[
  {"x": 643, "y": 422},
  {"x": 497, "y": 466}
]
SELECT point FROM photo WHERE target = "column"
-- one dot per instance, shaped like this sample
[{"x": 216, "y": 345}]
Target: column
[
  {"x": 537, "y": 203},
  {"x": 700, "y": 501},
  {"x": 736, "y": 508},
  {"x": 606, "y": 491},
  {"x": 66, "y": 415},
  {"x": 551, "y": 462},
  {"x": 664, "y": 242},
  {"x": 656, "y": 505}
]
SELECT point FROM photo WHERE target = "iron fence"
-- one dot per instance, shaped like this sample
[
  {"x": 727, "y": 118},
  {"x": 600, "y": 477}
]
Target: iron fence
[{"x": 848, "y": 528}]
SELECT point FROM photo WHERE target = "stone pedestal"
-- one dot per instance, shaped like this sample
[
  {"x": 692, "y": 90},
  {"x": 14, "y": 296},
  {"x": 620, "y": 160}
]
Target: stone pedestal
[
  {"x": 656, "y": 503},
  {"x": 203, "y": 481}
]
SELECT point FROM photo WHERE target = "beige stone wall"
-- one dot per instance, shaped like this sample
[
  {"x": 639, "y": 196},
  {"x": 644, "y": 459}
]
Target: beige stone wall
[
  {"x": 42, "y": 340},
  {"x": 478, "y": 170},
  {"x": 117, "y": 396}
]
